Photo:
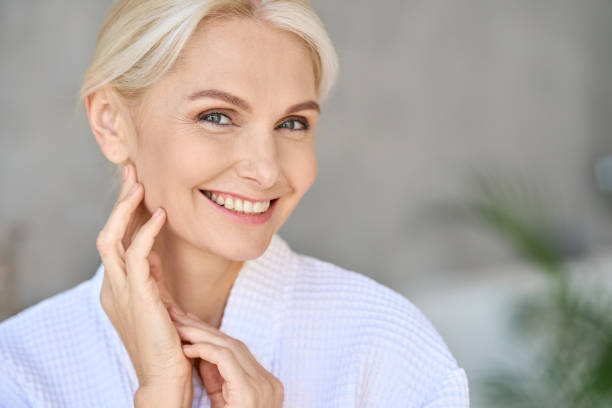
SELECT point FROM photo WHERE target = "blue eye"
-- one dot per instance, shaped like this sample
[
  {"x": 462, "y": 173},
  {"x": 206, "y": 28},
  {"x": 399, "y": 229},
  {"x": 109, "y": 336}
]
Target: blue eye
[
  {"x": 301, "y": 125},
  {"x": 216, "y": 118},
  {"x": 221, "y": 119}
]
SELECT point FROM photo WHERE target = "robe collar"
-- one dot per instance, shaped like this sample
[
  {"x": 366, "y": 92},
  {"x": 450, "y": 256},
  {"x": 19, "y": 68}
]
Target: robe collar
[{"x": 253, "y": 312}]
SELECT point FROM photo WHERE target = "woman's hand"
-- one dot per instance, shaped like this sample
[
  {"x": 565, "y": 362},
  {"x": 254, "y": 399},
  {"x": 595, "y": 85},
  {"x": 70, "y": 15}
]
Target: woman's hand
[
  {"x": 133, "y": 295},
  {"x": 231, "y": 375}
]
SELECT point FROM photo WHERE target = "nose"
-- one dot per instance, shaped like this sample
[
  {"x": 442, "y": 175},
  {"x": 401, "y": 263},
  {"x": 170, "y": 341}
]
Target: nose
[{"x": 259, "y": 159}]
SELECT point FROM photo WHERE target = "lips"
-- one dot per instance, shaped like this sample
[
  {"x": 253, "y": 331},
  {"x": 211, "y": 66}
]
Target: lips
[
  {"x": 235, "y": 203},
  {"x": 236, "y": 196},
  {"x": 247, "y": 218}
]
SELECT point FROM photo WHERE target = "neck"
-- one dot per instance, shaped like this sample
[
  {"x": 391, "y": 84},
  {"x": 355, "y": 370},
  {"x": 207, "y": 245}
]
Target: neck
[{"x": 198, "y": 281}]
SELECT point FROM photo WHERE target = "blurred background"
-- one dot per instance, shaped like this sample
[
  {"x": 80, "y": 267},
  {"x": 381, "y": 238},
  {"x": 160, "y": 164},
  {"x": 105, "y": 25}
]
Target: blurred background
[{"x": 463, "y": 162}]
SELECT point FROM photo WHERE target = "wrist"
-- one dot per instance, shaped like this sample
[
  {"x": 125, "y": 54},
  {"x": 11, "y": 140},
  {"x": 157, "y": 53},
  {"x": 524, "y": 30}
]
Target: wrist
[{"x": 164, "y": 395}]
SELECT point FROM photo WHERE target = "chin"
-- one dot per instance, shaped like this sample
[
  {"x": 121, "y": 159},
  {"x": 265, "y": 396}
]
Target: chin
[{"x": 241, "y": 250}]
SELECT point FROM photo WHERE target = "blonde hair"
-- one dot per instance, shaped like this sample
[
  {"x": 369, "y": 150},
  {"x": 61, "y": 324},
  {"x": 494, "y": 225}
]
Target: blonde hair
[{"x": 140, "y": 40}]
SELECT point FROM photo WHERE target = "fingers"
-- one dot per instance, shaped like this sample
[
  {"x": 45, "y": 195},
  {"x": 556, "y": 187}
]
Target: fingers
[
  {"x": 196, "y": 331},
  {"x": 109, "y": 238},
  {"x": 175, "y": 309},
  {"x": 155, "y": 265},
  {"x": 129, "y": 178},
  {"x": 189, "y": 319},
  {"x": 223, "y": 358},
  {"x": 155, "y": 268},
  {"x": 196, "y": 335},
  {"x": 213, "y": 382},
  {"x": 192, "y": 329},
  {"x": 136, "y": 256},
  {"x": 122, "y": 212}
]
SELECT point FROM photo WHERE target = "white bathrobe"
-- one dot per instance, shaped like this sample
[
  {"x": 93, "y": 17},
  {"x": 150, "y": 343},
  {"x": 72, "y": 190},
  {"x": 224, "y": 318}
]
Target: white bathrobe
[{"x": 333, "y": 337}]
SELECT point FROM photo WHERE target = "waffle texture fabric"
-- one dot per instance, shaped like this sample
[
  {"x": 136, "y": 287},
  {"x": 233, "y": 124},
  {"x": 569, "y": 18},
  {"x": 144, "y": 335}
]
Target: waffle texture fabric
[{"x": 333, "y": 337}]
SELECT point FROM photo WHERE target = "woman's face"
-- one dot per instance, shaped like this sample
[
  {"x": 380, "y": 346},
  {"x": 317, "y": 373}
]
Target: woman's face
[{"x": 235, "y": 115}]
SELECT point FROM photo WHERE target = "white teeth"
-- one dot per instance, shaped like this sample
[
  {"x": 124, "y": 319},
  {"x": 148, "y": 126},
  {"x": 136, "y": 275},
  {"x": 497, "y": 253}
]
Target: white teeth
[{"x": 239, "y": 205}]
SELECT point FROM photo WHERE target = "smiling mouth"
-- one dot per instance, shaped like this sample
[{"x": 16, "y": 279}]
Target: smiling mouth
[{"x": 238, "y": 205}]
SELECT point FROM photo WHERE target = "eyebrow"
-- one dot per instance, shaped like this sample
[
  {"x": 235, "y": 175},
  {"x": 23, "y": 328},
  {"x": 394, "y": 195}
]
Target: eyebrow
[{"x": 242, "y": 104}]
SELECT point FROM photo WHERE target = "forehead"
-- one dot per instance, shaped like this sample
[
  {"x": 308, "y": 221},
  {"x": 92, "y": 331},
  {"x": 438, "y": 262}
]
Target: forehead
[{"x": 245, "y": 57}]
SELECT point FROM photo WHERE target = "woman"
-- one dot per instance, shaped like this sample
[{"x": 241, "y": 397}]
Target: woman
[{"x": 208, "y": 108}]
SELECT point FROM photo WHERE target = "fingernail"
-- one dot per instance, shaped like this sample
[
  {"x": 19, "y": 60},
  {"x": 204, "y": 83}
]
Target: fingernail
[{"x": 158, "y": 212}]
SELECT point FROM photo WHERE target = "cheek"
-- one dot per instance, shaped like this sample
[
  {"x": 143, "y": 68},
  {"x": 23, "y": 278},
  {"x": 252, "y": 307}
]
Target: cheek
[
  {"x": 174, "y": 164},
  {"x": 188, "y": 158},
  {"x": 301, "y": 168}
]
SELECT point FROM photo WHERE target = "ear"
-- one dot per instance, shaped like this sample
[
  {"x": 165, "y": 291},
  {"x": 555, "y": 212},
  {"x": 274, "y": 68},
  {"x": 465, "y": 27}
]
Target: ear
[{"x": 104, "y": 112}]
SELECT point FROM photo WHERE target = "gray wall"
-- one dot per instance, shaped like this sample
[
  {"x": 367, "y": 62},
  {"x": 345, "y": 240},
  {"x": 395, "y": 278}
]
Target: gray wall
[
  {"x": 432, "y": 89},
  {"x": 428, "y": 90}
]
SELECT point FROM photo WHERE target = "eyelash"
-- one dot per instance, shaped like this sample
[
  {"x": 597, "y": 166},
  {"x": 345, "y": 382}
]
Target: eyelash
[{"x": 201, "y": 117}]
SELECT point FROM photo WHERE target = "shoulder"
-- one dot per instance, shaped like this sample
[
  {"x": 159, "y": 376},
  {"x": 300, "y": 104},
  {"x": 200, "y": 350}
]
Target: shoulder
[
  {"x": 388, "y": 338},
  {"x": 37, "y": 344},
  {"x": 55, "y": 318}
]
